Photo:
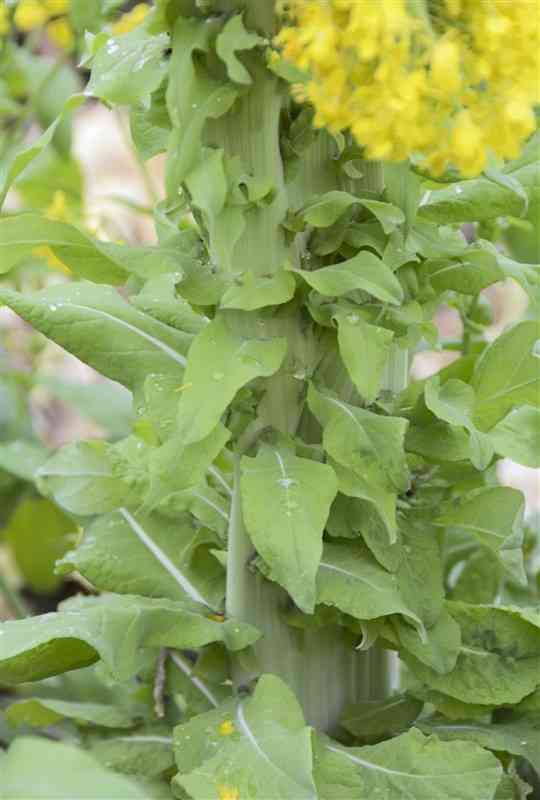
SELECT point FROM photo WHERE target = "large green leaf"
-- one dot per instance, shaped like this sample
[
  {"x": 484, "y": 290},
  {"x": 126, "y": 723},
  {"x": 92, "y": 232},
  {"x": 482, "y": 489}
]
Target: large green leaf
[
  {"x": 519, "y": 737},
  {"x": 127, "y": 69},
  {"x": 517, "y": 436},
  {"x": 38, "y": 768},
  {"x": 149, "y": 555},
  {"x": 480, "y": 199},
  {"x": 99, "y": 327},
  {"x": 39, "y": 534},
  {"x": 364, "y": 349},
  {"x": 259, "y": 747},
  {"x": 410, "y": 766},
  {"x": 81, "y": 479},
  {"x": 350, "y": 579},
  {"x": 87, "y": 258},
  {"x": 499, "y": 660},
  {"x": 439, "y": 649},
  {"x": 367, "y": 443},
  {"x": 507, "y": 374},
  {"x": 494, "y": 517},
  {"x": 286, "y": 501},
  {"x": 220, "y": 362},
  {"x": 364, "y": 271},
  {"x": 112, "y": 628}
]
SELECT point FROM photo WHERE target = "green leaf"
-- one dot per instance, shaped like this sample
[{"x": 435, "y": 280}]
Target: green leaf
[
  {"x": 507, "y": 375},
  {"x": 480, "y": 199},
  {"x": 499, "y": 660},
  {"x": 38, "y": 534},
  {"x": 420, "y": 571},
  {"x": 149, "y": 555},
  {"x": 31, "y": 769},
  {"x": 369, "y": 444},
  {"x": 22, "y": 458},
  {"x": 192, "y": 98},
  {"x": 150, "y": 125},
  {"x": 364, "y": 271},
  {"x": 20, "y": 234},
  {"x": 440, "y": 648},
  {"x": 147, "y": 752},
  {"x": 265, "y": 751},
  {"x": 390, "y": 216},
  {"x": 480, "y": 579},
  {"x": 519, "y": 737},
  {"x": 286, "y": 501},
  {"x": 259, "y": 291},
  {"x": 454, "y": 402},
  {"x": 474, "y": 271},
  {"x": 221, "y": 361},
  {"x": 159, "y": 298},
  {"x": 494, "y": 517},
  {"x": 40, "y": 712},
  {"x": 175, "y": 467},
  {"x": 381, "y": 718},
  {"x": 112, "y": 628},
  {"x": 364, "y": 349},
  {"x": 411, "y": 765},
  {"x": 127, "y": 69},
  {"x": 17, "y": 162},
  {"x": 328, "y": 208},
  {"x": 99, "y": 327},
  {"x": 81, "y": 479},
  {"x": 233, "y": 38},
  {"x": 517, "y": 436},
  {"x": 350, "y": 579}
]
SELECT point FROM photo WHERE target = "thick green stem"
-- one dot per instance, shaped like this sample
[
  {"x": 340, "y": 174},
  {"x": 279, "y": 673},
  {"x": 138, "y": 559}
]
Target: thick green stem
[{"x": 321, "y": 665}]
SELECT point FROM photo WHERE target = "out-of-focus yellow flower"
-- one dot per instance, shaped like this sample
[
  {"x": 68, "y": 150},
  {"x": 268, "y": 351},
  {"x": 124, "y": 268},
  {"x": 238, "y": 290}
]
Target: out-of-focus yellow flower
[
  {"x": 57, "y": 208},
  {"x": 29, "y": 15},
  {"x": 131, "y": 19},
  {"x": 228, "y": 793},
  {"x": 56, "y": 7},
  {"x": 451, "y": 85},
  {"x": 4, "y": 20},
  {"x": 52, "y": 260},
  {"x": 60, "y": 33}
]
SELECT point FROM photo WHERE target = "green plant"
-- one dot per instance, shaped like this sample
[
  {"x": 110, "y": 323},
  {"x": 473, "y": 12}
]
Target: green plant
[{"x": 287, "y": 513}]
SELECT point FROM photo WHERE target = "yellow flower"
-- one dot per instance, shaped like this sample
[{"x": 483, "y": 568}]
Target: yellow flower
[
  {"x": 450, "y": 88},
  {"x": 57, "y": 208},
  {"x": 4, "y": 20},
  {"x": 226, "y": 728},
  {"x": 30, "y": 14},
  {"x": 56, "y": 7},
  {"x": 228, "y": 793},
  {"x": 52, "y": 260},
  {"x": 60, "y": 33},
  {"x": 131, "y": 19}
]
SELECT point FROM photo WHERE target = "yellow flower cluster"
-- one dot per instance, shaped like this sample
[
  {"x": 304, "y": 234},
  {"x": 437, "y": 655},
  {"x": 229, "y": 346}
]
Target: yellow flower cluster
[
  {"x": 131, "y": 19},
  {"x": 451, "y": 84},
  {"x": 33, "y": 14}
]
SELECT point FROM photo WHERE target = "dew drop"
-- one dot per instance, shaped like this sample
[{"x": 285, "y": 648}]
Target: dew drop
[
  {"x": 286, "y": 482},
  {"x": 218, "y": 376}
]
